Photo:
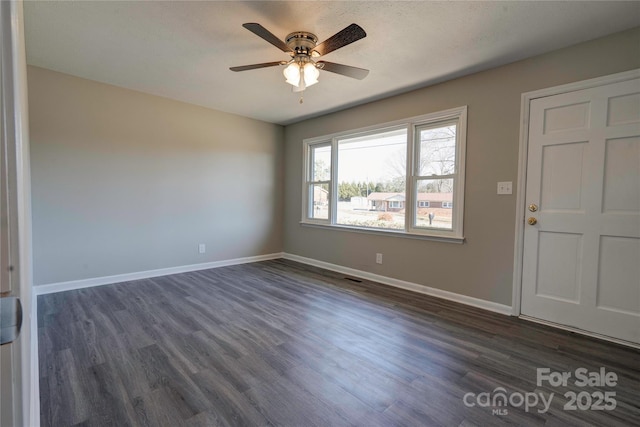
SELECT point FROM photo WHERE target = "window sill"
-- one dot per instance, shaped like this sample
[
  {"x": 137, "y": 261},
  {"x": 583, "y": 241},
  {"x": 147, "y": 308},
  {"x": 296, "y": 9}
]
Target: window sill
[{"x": 388, "y": 233}]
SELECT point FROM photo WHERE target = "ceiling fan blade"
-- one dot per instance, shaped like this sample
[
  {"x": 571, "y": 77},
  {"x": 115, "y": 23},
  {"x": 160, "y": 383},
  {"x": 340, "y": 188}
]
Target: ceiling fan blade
[
  {"x": 342, "y": 38},
  {"x": 262, "y": 32},
  {"x": 345, "y": 70},
  {"x": 254, "y": 66}
]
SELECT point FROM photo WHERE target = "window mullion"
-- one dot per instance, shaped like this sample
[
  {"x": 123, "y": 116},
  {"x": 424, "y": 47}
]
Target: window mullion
[
  {"x": 333, "y": 200},
  {"x": 412, "y": 171}
]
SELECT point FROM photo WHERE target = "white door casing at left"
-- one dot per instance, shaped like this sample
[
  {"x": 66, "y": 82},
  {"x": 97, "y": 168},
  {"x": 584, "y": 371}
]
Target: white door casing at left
[{"x": 18, "y": 370}]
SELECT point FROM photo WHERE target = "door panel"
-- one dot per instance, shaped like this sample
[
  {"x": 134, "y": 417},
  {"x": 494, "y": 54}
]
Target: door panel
[
  {"x": 581, "y": 263},
  {"x": 562, "y": 172},
  {"x": 559, "y": 278},
  {"x": 619, "y": 268},
  {"x": 622, "y": 176},
  {"x": 623, "y": 109},
  {"x": 566, "y": 117}
]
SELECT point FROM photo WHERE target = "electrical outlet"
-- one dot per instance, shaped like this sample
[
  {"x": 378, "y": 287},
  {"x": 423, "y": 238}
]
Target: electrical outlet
[
  {"x": 505, "y": 187},
  {"x": 378, "y": 258},
  {"x": 202, "y": 248}
]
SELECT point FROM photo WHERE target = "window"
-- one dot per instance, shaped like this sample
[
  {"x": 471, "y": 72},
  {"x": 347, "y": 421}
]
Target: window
[
  {"x": 402, "y": 177},
  {"x": 361, "y": 160},
  {"x": 319, "y": 181}
]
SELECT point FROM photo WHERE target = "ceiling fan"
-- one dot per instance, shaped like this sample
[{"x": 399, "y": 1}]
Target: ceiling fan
[{"x": 302, "y": 69}]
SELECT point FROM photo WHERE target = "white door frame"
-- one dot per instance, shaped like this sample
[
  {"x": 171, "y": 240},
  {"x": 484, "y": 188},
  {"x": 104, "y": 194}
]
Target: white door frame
[
  {"x": 15, "y": 131},
  {"x": 522, "y": 164}
]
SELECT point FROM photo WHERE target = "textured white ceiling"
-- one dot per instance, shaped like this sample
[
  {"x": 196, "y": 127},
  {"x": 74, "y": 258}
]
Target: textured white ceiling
[{"x": 183, "y": 50}]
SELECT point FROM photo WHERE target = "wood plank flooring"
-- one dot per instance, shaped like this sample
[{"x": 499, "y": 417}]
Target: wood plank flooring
[{"x": 278, "y": 343}]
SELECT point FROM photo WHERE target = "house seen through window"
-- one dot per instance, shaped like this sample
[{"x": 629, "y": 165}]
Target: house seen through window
[{"x": 399, "y": 177}]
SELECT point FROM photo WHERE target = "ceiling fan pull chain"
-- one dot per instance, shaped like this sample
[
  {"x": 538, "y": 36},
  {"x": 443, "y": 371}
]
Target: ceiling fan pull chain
[{"x": 301, "y": 99}]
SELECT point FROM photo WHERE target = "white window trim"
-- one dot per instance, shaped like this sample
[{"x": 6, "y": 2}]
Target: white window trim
[
  {"x": 449, "y": 205},
  {"x": 455, "y": 235},
  {"x": 307, "y": 201},
  {"x": 424, "y": 204}
]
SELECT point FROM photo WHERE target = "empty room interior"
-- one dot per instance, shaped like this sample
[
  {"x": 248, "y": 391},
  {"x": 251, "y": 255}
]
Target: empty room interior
[{"x": 234, "y": 213}]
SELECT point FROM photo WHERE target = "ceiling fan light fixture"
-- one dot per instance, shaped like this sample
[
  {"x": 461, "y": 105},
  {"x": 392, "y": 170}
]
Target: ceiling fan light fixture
[{"x": 302, "y": 70}]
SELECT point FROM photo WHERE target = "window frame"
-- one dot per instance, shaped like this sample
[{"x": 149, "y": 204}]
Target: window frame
[
  {"x": 412, "y": 125},
  {"x": 308, "y": 200},
  {"x": 424, "y": 204}
]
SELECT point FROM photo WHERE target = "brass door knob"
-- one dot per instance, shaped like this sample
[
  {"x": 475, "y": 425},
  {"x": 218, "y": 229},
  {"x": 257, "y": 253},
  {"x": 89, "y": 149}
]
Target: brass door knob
[
  {"x": 533, "y": 207},
  {"x": 532, "y": 221}
]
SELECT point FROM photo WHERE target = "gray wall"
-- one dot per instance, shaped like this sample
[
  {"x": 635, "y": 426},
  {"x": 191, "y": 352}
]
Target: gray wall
[
  {"x": 482, "y": 267},
  {"x": 127, "y": 182}
]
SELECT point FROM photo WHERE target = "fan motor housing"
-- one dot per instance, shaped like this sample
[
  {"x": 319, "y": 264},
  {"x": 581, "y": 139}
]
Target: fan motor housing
[{"x": 301, "y": 42}]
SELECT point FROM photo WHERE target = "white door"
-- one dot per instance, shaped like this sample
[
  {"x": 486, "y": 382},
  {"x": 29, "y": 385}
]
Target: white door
[{"x": 581, "y": 262}]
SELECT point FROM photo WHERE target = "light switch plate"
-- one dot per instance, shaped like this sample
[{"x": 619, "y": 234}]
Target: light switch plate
[{"x": 505, "y": 187}]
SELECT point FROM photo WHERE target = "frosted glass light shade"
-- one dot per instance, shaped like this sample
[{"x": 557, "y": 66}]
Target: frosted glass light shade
[
  {"x": 311, "y": 74},
  {"x": 292, "y": 74}
]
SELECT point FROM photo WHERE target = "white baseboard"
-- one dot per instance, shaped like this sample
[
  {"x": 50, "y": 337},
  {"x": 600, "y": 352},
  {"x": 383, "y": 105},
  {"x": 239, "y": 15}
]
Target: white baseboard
[
  {"x": 580, "y": 331},
  {"x": 118, "y": 278},
  {"x": 422, "y": 289}
]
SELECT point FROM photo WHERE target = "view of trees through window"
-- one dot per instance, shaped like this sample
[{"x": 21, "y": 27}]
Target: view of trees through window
[
  {"x": 367, "y": 186},
  {"x": 372, "y": 169},
  {"x": 320, "y": 181},
  {"x": 436, "y": 169}
]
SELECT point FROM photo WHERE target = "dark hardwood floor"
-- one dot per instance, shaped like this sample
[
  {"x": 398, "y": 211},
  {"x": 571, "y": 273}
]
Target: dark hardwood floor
[{"x": 283, "y": 344}]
